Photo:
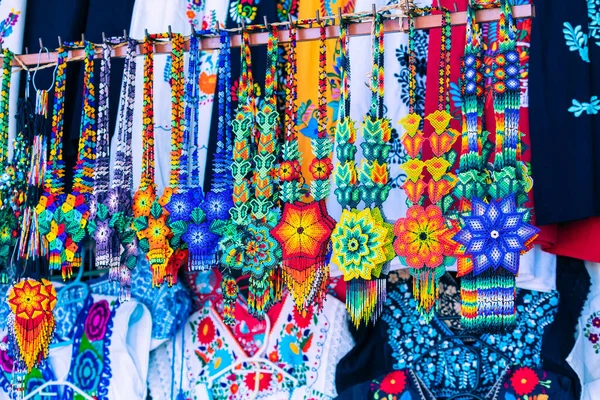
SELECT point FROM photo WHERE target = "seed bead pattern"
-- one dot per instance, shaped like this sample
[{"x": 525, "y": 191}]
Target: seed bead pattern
[
  {"x": 74, "y": 211},
  {"x": 52, "y": 233},
  {"x": 423, "y": 238},
  {"x": 149, "y": 219},
  {"x": 304, "y": 229}
]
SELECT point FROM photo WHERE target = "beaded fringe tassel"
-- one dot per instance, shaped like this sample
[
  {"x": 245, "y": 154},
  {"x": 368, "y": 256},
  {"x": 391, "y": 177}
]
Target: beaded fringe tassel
[
  {"x": 489, "y": 301},
  {"x": 307, "y": 285},
  {"x": 365, "y": 299}
]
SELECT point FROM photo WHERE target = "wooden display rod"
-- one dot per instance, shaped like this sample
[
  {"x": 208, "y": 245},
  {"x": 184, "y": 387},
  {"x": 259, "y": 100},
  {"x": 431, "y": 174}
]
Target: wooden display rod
[{"x": 393, "y": 24}]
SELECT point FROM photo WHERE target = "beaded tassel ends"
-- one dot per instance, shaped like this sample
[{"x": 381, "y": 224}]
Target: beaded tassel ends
[{"x": 31, "y": 324}]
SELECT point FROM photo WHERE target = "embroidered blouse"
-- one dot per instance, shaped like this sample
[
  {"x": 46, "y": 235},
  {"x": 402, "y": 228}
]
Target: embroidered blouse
[{"x": 307, "y": 346}]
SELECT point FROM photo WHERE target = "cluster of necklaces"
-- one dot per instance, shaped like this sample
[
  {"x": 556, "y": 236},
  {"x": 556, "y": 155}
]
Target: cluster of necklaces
[{"x": 261, "y": 217}]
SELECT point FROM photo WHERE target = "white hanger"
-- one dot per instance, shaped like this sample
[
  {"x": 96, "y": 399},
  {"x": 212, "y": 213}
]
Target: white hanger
[
  {"x": 257, "y": 360},
  {"x": 57, "y": 383}
]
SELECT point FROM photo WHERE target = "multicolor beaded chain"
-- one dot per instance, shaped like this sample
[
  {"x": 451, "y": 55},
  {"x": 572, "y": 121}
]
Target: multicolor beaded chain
[
  {"x": 423, "y": 238},
  {"x": 202, "y": 243},
  {"x": 304, "y": 229},
  {"x": 247, "y": 244},
  {"x": 495, "y": 229},
  {"x": 111, "y": 206},
  {"x": 362, "y": 240},
  {"x": 150, "y": 215},
  {"x": 8, "y": 219}
]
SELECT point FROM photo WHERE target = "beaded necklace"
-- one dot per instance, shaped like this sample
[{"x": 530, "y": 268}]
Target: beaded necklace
[
  {"x": 51, "y": 224},
  {"x": 8, "y": 220},
  {"x": 202, "y": 243},
  {"x": 304, "y": 229},
  {"x": 150, "y": 215},
  {"x": 490, "y": 254},
  {"x": 110, "y": 207},
  {"x": 362, "y": 239},
  {"x": 424, "y": 236},
  {"x": 247, "y": 244}
]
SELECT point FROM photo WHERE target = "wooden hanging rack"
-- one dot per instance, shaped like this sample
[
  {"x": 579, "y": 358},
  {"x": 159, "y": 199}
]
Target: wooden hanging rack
[{"x": 357, "y": 26}]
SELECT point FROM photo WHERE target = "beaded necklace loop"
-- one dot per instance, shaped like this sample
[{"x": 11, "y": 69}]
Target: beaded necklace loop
[
  {"x": 362, "y": 239},
  {"x": 52, "y": 234},
  {"x": 489, "y": 269},
  {"x": 424, "y": 237},
  {"x": 156, "y": 238},
  {"x": 304, "y": 229}
]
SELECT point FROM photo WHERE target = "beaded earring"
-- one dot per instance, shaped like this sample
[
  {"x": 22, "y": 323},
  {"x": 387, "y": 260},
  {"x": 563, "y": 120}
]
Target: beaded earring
[
  {"x": 424, "y": 237},
  {"x": 247, "y": 244},
  {"x": 495, "y": 230},
  {"x": 110, "y": 207},
  {"x": 304, "y": 229},
  {"x": 362, "y": 240}
]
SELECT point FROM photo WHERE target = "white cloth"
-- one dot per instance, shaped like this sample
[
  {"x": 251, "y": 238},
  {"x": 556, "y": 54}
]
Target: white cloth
[
  {"x": 311, "y": 353},
  {"x": 585, "y": 356},
  {"x": 128, "y": 352}
]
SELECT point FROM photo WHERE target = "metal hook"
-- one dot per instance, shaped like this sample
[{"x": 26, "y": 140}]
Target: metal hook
[
  {"x": 318, "y": 17},
  {"x": 26, "y": 50},
  {"x": 243, "y": 24},
  {"x": 147, "y": 34},
  {"x": 103, "y": 37},
  {"x": 266, "y": 22},
  {"x": 340, "y": 17},
  {"x": 455, "y": 7},
  {"x": 407, "y": 4},
  {"x": 83, "y": 38},
  {"x": 374, "y": 10},
  {"x": 60, "y": 43},
  {"x": 170, "y": 32},
  {"x": 290, "y": 21},
  {"x": 41, "y": 44},
  {"x": 125, "y": 34}
]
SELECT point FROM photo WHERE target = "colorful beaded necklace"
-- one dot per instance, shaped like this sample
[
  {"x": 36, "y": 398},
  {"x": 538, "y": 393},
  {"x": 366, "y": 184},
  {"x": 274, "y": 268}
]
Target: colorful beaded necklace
[
  {"x": 247, "y": 244},
  {"x": 202, "y": 243},
  {"x": 362, "y": 240},
  {"x": 8, "y": 179},
  {"x": 150, "y": 215},
  {"x": 494, "y": 229},
  {"x": 304, "y": 229},
  {"x": 31, "y": 243},
  {"x": 423, "y": 238},
  {"x": 110, "y": 207}
]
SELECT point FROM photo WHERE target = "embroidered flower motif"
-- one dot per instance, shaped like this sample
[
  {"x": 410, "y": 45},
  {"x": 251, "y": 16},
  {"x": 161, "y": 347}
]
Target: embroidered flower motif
[
  {"x": 303, "y": 231},
  {"x": 423, "y": 238},
  {"x": 96, "y": 320},
  {"x": 394, "y": 383},
  {"x": 206, "y": 331},
  {"x": 591, "y": 331},
  {"x": 303, "y": 318},
  {"x": 88, "y": 369},
  {"x": 524, "y": 381},
  {"x": 208, "y": 82},
  {"x": 358, "y": 244},
  {"x": 6, "y": 362},
  {"x": 495, "y": 234},
  {"x": 291, "y": 350},
  {"x": 264, "y": 381}
]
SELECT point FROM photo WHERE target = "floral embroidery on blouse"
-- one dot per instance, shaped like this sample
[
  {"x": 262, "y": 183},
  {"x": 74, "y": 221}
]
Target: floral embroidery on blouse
[
  {"x": 591, "y": 331},
  {"x": 243, "y": 10}
]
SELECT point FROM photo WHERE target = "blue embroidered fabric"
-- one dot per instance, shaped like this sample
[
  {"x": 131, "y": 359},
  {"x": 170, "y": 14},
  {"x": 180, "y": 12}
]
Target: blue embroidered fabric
[
  {"x": 169, "y": 306},
  {"x": 449, "y": 367}
]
